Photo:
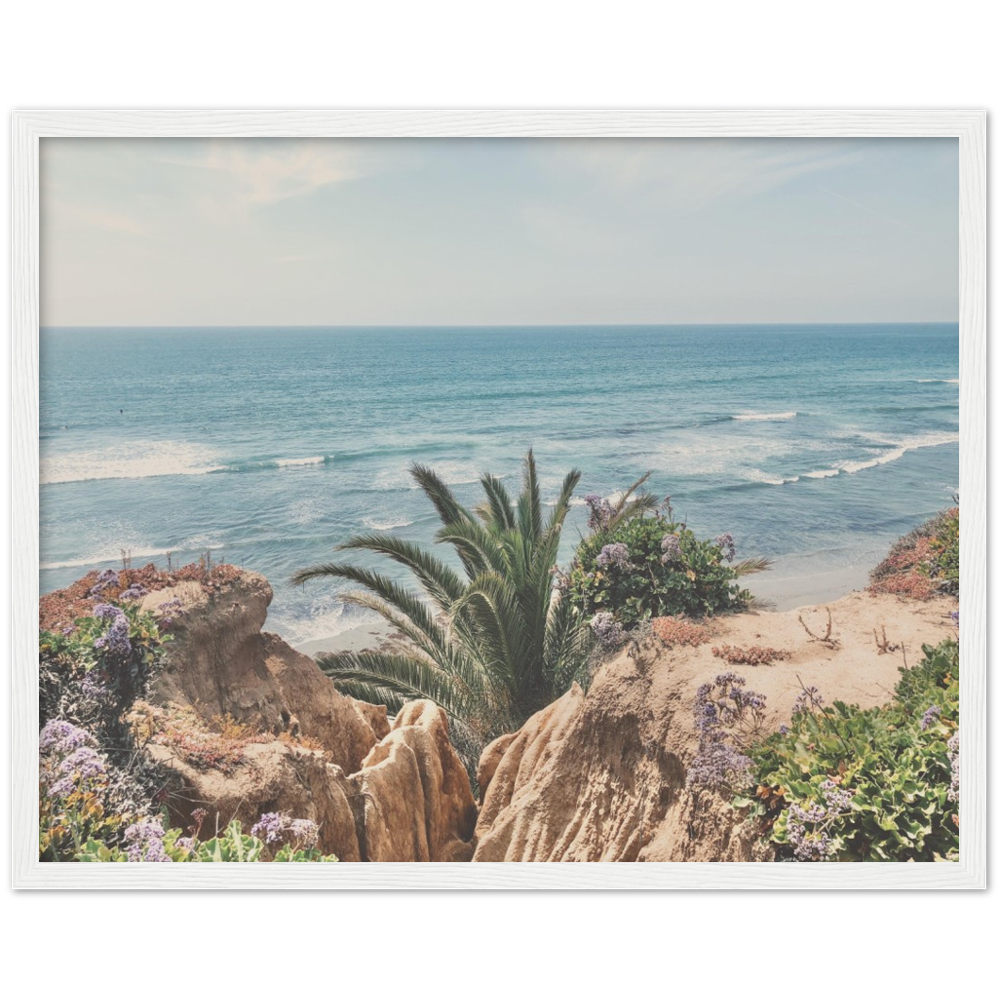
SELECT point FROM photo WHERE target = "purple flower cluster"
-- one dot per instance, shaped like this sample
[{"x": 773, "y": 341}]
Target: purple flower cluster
[
  {"x": 115, "y": 640},
  {"x": 719, "y": 765},
  {"x": 274, "y": 827},
  {"x": 95, "y": 687},
  {"x": 953, "y": 760},
  {"x": 615, "y": 554},
  {"x": 809, "y": 698},
  {"x": 930, "y": 716},
  {"x": 61, "y": 737},
  {"x": 601, "y": 511},
  {"x": 83, "y": 767},
  {"x": 169, "y": 610},
  {"x": 134, "y": 593},
  {"x": 808, "y": 828},
  {"x": 304, "y": 833},
  {"x": 144, "y": 841},
  {"x": 608, "y": 629},
  {"x": 109, "y": 578},
  {"x": 671, "y": 549},
  {"x": 954, "y": 618},
  {"x": 728, "y": 545}
]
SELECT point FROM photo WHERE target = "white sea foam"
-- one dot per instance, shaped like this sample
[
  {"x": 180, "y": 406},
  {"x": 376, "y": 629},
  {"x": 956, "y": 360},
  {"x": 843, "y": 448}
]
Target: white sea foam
[
  {"x": 315, "y": 460},
  {"x": 760, "y": 476},
  {"x": 912, "y": 444},
  {"x": 146, "y": 459},
  {"x": 386, "y": 524},
  {"x": 940, "y": 381},
  {"x": 134, "y": 460},
  {"x": 765, "y": 416},
  {"x": 113, "y": 556},
  {"x": 822, "y": 474}
]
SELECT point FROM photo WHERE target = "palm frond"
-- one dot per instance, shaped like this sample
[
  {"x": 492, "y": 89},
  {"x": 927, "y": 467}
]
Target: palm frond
[
  {"x": 449, "y": 509},
  {"x": 756, "y": 564},
  {"x": 498, "y": 510},
  {"x": 442, "y": 584},
  {"x": 529, "y": 504},
  {"x": 403, "y": 678}
]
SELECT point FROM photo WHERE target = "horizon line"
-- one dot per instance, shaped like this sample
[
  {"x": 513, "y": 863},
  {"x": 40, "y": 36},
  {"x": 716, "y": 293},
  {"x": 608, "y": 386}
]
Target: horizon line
[{"x": 480, "y": 326}]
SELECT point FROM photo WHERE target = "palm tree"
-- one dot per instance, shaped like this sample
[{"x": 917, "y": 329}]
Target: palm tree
[{"x": 490, "y": 646}]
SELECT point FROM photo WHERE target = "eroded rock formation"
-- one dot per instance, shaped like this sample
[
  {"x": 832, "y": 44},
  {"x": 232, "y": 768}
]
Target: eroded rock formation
[{"x": 378, "y": 793}]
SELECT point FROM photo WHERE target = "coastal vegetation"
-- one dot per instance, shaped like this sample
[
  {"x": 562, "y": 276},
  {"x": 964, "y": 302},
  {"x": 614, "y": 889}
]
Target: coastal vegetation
[
  {"x": 491, "y": 645},
  {"x": 879, "y": 784},
  {"x": 923, "y": 562},
  {"x": 645, "y": 567},
  {"x": 101, "y": 796}
]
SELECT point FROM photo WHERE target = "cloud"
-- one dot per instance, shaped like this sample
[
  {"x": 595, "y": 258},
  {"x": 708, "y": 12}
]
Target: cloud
[
  {"x": 270, "y": 171},
  {"x": 95, "y": 217},
  {"x": 697, "y": 173}
]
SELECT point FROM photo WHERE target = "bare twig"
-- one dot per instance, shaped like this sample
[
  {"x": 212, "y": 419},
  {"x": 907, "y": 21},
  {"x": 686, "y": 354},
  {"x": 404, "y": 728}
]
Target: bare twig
[
  {"x": 826, "y": 639},
  {"x": 883, "y": 645}
]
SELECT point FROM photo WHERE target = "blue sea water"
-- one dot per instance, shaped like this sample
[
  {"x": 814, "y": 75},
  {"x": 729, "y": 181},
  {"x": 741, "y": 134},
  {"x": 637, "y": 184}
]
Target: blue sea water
[{"x": 815, "y": 445}]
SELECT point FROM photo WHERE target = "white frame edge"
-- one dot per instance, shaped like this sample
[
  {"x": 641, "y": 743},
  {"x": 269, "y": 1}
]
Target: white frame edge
[{"x": 968, "y": 127}]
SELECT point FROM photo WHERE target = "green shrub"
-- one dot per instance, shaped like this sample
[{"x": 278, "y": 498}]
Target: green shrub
[
  {"x": 849, "y": 784},
  {"x": 662, "y": 570},
  {"x": 230, "y": 846},
  {"x": 943, "y": 565}
]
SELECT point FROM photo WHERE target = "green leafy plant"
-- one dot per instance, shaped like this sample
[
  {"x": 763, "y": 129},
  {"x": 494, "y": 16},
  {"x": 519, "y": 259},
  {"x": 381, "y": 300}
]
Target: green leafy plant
[
  {"x": 652, "y": 566},
  {"x": 491, "y": 645},
  {"x": 232, "y": 845},
  {"x": 851, "y": 784}
]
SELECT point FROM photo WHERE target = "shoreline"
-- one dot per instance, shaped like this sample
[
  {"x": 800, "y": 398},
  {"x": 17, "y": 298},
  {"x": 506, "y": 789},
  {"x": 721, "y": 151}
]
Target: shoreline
[{"x": 789, "y": 593}]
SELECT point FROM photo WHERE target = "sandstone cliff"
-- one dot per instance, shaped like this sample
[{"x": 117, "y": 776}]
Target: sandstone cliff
[
  {"x": 378, "y": 793},
  {"x": 601, "y": 776}
]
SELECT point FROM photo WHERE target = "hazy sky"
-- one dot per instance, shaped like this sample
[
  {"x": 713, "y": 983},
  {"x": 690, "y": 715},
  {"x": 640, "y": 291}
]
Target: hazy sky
[{"x": 497, "y": 231}]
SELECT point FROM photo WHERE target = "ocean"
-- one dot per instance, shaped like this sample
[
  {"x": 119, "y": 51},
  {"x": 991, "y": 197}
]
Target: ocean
[{"x": 814, "y": 445}]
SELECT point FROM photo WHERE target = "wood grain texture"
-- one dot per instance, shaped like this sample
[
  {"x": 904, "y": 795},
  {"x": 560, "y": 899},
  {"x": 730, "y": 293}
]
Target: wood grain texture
[{"x": 969, "y": 127}]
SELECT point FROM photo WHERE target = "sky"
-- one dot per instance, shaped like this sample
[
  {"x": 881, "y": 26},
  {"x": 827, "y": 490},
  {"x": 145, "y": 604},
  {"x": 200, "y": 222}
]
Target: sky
[{"x": 171, "y": 232}]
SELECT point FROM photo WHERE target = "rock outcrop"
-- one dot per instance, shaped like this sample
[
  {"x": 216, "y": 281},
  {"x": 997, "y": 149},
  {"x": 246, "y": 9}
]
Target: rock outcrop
[
  {"x": 377, "y": 792},
  {"x": 220, "y": 663},
  {"x": 601, "y": 776},
  {"x": 417, "y": 797}
]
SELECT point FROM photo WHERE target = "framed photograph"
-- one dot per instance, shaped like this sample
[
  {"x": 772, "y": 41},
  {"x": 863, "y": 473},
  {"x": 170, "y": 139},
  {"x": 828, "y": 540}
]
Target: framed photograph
[{"x": 467, "y": 490}]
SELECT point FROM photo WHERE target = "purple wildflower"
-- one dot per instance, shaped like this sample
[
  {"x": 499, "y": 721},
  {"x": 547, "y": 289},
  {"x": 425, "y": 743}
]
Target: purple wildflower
[
  {"x": 728, "y": 545},
  {"x": 954, "y": 618},
  {"x": 69, "y": 630},
  {"x": 109, "y": 578},
  {"x": 269, "y": 827},
  {"x": 95, "y": 687},
  {"x": 670, "y": 546},
  {"x": 719, "y": 715},
  {"x": 134, "y": 592},
  {"x": 783, "y": 730},
  {"x": 116, "y": 640},
  {"x": 304, "y": 833},
  {"x": 808, "y": 827},
  {"x": 61, "y": 737},
  {"x": 808, "y": 699},
  {"x": 170, "y": 610},
  {"x": 608, "y": 630},
  {"x": 144, "y": 841},
  {"x": 615, "y": 554},
  {"x": 601, "y": 511},
  {"x": 83, "y": 767},
  {"x": 953, "y": 760},
  {"x": 933, "y": 713}
]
